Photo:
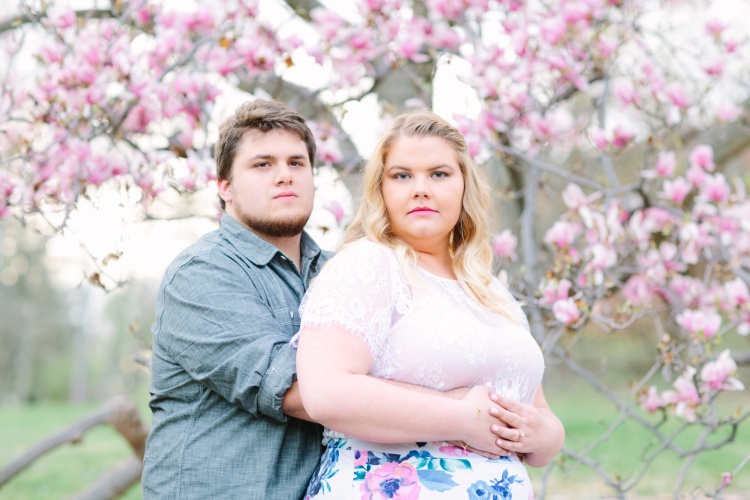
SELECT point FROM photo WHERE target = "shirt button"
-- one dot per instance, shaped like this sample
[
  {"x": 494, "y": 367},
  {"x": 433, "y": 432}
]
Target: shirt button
[
  {"x": 283, "y": 257},
  {"x": 291, "y": 314}
]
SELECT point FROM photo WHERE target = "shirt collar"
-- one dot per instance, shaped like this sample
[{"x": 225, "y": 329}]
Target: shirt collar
[{"x": 255, "y": 248}]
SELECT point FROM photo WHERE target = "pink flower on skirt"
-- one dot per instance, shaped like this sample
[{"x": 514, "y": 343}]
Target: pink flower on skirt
[
  {"x": 391, "y": 480},
  {"x": 454, "y": 451},
  {"x": 360, "y": 458}
]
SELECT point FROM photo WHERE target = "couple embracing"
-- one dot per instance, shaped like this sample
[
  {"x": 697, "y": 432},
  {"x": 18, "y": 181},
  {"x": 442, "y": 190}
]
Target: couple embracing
[{"x": 404, "y": 356}]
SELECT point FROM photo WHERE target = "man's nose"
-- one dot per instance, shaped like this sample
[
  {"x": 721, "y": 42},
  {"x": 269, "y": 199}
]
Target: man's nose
[{"x": 283, "y": 174}]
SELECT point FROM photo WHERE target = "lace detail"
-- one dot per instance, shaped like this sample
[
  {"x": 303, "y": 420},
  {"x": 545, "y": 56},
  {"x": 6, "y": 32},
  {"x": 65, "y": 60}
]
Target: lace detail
[
  {"x": 361, "y": 290},
  {"x": 429, "y": 332}
]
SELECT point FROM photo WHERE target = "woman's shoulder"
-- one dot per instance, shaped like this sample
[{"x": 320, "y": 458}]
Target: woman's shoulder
[{"x": 366, "y": 252}]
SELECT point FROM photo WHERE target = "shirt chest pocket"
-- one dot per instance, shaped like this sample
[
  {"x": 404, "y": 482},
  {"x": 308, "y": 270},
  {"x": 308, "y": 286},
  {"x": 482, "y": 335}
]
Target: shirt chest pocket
[{"x": 288, "y": 318}]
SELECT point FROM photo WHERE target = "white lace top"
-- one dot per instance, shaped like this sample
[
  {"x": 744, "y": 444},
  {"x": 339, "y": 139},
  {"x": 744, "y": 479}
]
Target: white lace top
[{"x": 429, "y": 332}]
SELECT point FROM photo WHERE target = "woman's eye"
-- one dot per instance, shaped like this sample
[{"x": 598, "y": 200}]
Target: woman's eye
[
  {"x": 439, "y": 175},
  {"x": 401, "y": 175}
]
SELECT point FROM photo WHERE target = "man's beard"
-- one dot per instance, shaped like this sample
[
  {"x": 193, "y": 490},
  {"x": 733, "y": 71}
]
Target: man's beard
[{"x": 276, "y": 228}]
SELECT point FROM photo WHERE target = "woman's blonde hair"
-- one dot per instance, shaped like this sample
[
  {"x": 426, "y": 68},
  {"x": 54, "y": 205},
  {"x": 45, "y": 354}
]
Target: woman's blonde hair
[{"x": 469, "y": 242}]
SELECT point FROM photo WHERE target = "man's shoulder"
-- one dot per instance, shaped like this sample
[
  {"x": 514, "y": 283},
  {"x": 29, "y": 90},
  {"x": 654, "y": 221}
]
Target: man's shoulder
[
  {"x": 211, "y": 250},
  {"x": 201, "y": 248}
]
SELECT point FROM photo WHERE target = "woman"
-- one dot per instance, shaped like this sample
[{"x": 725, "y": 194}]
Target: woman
[{"x": 411, "y": 298}]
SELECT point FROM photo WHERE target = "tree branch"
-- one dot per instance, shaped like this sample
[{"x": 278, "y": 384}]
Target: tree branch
[
  {"x": 114, "y": 482},
  {"x": 22, "y": 19},
  {"x": 119, "y": 412}
]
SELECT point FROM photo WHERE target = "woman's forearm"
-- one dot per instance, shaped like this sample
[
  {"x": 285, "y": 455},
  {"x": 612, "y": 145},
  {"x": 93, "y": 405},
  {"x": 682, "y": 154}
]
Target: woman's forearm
[
  {"x": 332, "y": 367},
  {"x": 374, "y": 410}
]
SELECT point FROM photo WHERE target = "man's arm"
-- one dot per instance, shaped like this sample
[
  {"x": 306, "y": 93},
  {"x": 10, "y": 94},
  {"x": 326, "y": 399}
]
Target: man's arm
[
  {"x": 215, "y": 324},
  {"x": 292, "y": 406}
]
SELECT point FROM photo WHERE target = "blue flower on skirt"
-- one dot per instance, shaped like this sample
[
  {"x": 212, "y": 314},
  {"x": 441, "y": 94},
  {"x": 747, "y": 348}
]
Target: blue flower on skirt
[{"x": 480, "y": 491}]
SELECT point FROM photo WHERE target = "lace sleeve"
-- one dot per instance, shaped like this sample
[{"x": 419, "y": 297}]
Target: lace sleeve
[{"x": 360, "y": 290}]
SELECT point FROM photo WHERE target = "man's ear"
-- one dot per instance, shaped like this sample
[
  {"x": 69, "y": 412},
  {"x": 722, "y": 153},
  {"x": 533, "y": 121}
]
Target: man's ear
[{"x": 224, "y": 192}]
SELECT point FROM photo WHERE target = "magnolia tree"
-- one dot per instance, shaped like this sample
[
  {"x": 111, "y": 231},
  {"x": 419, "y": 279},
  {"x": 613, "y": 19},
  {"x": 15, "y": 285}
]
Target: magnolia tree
[{"x": 634, "y": 110}]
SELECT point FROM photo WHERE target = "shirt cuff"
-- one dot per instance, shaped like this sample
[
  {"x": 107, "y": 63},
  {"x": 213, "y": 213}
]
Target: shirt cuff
[{"x": 277, "y": 380}]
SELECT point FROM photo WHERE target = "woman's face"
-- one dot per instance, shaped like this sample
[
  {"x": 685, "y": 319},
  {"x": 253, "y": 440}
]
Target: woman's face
[{"x": 423, "y": 189}]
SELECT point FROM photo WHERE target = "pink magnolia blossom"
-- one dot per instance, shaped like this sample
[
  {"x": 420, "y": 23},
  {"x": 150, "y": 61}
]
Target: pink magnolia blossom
[
  {"x": 689, "y": 290},
  {"x": 336, "y": 209},
  {"x": 714, "y": 27},
  {"x": 598, "y": 259},
  {"x": 606, "y": 46},
  {"x": 626, "y": 94},
  {"x": 669, "y": 257},
  {"x": 599, "y": 138},
  {"x": 443, "y": 36},
  {"x": 736, "y": 293},
  {"x": 715, "y": 188},
  {"x": 726, "y": 479},
  {"x": 574, "y": 197},
  {"x": 504, "y": 245},
  {"x": 651, "y": 401},
  {"x": 574, "y": 12},
  {"x": 676, "y": 190},
  {"x": 685, "y": 395},
  {"x": 63, "y": 18},
  {"x": 731, "y": 45},
  {"x": 553, "y": 30},
  {"x": 727, "y": 112},
  {"x": 704, "y": 323},
  {"x": 561, "y": 234},
  {"x": 676, "y": 95},
  {"x": 566, "y": 311},
  {"x": 703, "y": 156},
  {"x": 621, "y": 137},
  {"x": 695, "y": 175},
  {"x": 714, "y": 68},
  {"x": 665, "y": 164},
  {"x": 449, "y": 9},
  {"x": 51, "y": 53},
  {"x": 717, "y": 374},
  {"x": 554, "y": 291},
  {"x": 639, "y": 291}
]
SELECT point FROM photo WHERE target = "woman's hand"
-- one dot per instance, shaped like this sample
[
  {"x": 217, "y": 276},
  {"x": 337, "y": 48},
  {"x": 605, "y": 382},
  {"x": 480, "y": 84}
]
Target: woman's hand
[
  {"x": 530, "y": 430},
  {"x": 480, "y": 437}
]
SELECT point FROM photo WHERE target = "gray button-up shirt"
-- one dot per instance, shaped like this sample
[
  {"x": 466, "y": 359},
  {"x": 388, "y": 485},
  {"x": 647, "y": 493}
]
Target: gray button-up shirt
[{"x": 225, "y": 313}]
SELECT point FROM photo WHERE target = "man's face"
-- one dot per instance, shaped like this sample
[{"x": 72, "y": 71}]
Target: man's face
[{"x": 271, "y": 188}]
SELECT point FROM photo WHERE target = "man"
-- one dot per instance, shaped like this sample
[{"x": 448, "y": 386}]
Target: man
[{"x": 223, "y": 373}]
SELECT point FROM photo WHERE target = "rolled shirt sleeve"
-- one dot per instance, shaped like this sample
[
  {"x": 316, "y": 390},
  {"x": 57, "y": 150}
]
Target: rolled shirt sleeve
[{"x": 221, "y": 330}]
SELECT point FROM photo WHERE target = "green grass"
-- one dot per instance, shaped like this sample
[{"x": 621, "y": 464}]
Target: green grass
[{"x": 71, "y": 468}]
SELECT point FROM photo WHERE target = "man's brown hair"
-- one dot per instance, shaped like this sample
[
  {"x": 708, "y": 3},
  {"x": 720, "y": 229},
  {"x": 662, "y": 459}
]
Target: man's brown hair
[{"x": 263, "y": 116}]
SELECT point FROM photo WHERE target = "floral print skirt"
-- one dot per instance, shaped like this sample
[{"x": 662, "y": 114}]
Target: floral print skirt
[{"x": 355, "y": 469}]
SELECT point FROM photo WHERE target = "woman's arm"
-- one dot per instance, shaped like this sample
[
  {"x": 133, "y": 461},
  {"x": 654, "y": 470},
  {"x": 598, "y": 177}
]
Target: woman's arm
[
  {"x": 533, "y": 430},
  {"x": 332, "y": 367}
]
